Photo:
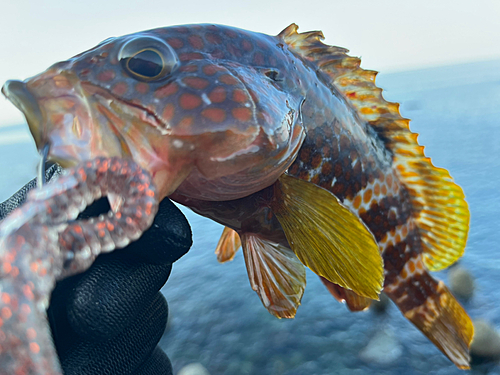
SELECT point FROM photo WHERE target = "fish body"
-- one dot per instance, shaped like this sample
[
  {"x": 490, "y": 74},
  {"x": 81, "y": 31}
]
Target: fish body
[{"x": 284, "y": 140}]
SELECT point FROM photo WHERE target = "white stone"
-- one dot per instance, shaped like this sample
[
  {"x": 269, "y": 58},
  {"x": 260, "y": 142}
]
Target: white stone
[
  {"x": 461, "y": 283},
  {"x": 383, "y": 348},
  {"x": 193, "y": 369},
  {"x": 486, "y": 341}
]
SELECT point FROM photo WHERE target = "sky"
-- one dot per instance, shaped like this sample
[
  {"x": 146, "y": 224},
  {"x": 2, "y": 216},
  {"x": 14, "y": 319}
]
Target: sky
[{"x": 389, "y": 35}]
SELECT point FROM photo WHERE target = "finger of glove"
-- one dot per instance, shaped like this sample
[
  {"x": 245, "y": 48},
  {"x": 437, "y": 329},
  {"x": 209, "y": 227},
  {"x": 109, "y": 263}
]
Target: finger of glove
[
  {"x": 20, "y": 196},
  {"x": 104, "y": 300},
  {"x": 157, "y": 364},
  {"x": 123, "y": 354},
  {"x": 168, "y": 238}
]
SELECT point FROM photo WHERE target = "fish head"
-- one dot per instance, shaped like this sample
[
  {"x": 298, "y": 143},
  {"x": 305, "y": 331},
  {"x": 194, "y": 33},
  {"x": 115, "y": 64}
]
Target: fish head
[{"x": 205, "y": 127}]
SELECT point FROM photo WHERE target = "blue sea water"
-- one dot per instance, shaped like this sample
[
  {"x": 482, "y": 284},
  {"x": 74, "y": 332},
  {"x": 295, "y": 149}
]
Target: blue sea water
[{"x": 219, "y": 321}]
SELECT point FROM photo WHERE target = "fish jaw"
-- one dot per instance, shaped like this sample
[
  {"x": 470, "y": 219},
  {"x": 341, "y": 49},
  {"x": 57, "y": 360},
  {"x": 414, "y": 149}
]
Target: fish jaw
[
  {"x": 58, "y": 116},
  {"x": 79, "y": 121}
]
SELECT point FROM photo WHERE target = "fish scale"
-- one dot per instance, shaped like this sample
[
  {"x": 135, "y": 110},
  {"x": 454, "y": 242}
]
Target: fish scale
[{"x": 284, "y": 140}]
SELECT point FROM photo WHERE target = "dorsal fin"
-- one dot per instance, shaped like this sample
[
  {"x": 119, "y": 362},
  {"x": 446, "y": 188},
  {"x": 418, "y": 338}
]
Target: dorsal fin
[{"x": 441, "y": 213}]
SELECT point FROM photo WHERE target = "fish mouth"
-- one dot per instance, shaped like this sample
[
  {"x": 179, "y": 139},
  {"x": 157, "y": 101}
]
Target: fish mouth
[
  {"x": 57, "y": 115},
  {"x": 18, "y": 93}
]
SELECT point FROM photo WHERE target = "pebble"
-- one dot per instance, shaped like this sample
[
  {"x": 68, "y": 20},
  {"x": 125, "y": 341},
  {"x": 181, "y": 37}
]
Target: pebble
[
  {"x": 461, "y": 283},
  {"x": 193, "y": 369},
  {"x": 486, "y": 341},
  {"x": 383, "y": 348}
]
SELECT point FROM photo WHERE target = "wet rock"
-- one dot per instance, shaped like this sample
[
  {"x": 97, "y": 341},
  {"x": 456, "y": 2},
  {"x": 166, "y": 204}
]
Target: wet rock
[
  {"x": 383, "y": 348},
  {"x": 380, "y": 306},
  {"x": 486, "y": 342},
  {"x": 461, "y": 283},
  {"x": 193, "y": 369}
]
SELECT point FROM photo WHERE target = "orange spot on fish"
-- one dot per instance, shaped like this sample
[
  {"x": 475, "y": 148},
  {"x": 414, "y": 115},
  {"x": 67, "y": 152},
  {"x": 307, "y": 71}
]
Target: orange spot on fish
[
  {"x": 34, "y": 347},
  {"x": 7, "y": 267},
  {"x": 175, "y": 42},
  {"x": 34, "y": 267},
  {"x": 384, "y": 189},
  {"x": 188, "y": 68},
  {"x": 120, "y": 88},
  {"x": 167, "y": 90},
  {"x": 214, "y": 114},
  {"x": 62, "y": 82},
  {"x": 6, "y": 313},
  {"x": 228, "y": 79},
  {"x": 168, "y": 112},
  {"x": 217, "y": 95},
  {"x": 101, "y": 233},
  {"x": 150, "y": 193},
  {"x": 142, "y": 87},
  {"x": 242, "y": 114},
  {"x": 6, "y": 298},
  {"x": 376, "y": 189},
  {"x": 186, "y": 122},
  {"x": 246, "y": 45},
  {"x": 28, "y": 292},
  {"x": 404, "y": 274},
  {"x": 367, "y": 196},
  {"x": 420, "y": 265},
  {"x": 316, "y": 160},
  {"x": 195, "y": 41},
  {"x": 25, "y": 309},
  {"x": 196, "y": 82},
  {"x": 106, "y": 76},
  {"x": 411, "y": 266},
  {"x": 357, "y": 202},
  {"x": 240, "y": 96},
  {"x": 213, "y": 38},
  {"x": 189, "y": 101},
  {"x": 31, "y": 333},
  {"x": 258, "y": 58},
  {"x": 210, "y": 70},
  {"x": 190, "y": 56},
  {"x": 389, "y": 181}
]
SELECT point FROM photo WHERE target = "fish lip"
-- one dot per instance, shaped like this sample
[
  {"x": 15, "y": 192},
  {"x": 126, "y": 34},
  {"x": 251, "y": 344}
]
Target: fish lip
[{"x": 18, "y": 94}]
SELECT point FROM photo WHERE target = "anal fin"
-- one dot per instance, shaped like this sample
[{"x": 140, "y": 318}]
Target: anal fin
[
  {"x": 275, "y": 273},
  {"x": 352, "y": 300},
  {"x": 228, "y": 245}
]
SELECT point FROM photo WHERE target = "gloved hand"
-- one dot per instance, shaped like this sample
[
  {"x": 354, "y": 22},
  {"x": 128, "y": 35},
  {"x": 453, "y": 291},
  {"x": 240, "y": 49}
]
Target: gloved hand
[{"x": 109, "y": 319}]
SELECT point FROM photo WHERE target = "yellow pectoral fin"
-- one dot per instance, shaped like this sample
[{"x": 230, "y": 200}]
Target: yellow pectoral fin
[
  {"x": 228, "y": 245},
  {"x": 327, "y": 237}
]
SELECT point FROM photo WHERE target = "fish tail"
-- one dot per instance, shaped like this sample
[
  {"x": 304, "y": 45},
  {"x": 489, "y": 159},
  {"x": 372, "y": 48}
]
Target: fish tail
[{"x": 431, "y": 307}]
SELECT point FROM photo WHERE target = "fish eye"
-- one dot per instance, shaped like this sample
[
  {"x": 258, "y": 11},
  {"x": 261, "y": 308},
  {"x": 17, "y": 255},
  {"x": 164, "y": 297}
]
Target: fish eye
[{"x": 147, "y": 59}]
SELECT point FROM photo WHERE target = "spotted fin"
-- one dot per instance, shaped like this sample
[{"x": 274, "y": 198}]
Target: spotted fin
[
  {"x": 446, "y": 324},
  {"x": 441, "y": 213},
  {"x": 327, "y": 237},
  {"x": 228, "y": 245},
  {"x": 275, "y": 273},
  {"x": 351, "y": 299}
]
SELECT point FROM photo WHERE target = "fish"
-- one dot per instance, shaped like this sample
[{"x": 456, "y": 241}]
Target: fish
[{"x": 284, "y": 140}]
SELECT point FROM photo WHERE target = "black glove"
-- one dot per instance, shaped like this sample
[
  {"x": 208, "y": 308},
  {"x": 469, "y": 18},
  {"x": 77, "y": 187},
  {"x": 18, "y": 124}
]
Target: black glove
[{"x": 109, "y": 319}]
